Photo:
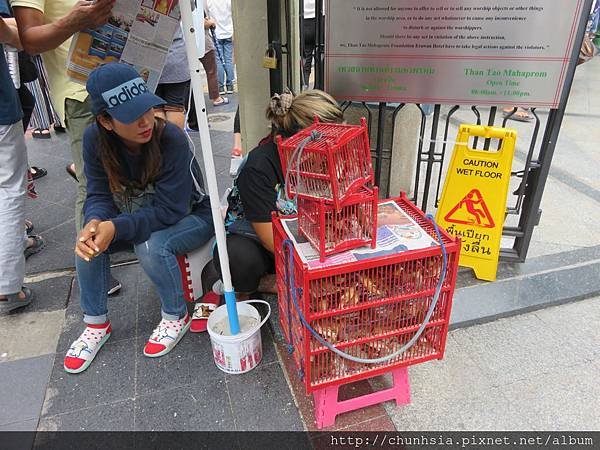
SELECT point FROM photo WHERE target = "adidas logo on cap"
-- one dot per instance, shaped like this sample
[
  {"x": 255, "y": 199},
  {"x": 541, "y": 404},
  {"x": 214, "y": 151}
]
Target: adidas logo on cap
[{"x": 124, "y": 92}]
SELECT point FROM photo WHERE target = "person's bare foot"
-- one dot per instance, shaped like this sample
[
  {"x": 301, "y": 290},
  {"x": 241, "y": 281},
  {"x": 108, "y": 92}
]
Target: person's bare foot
[
  {"x": 21, "y": 296},
  {"x": 35, "y": 243}
]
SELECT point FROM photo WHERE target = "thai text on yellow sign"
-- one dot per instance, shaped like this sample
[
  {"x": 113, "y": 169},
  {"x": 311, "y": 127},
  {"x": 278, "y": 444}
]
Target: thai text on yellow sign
[{"x": 473, "y": 203}]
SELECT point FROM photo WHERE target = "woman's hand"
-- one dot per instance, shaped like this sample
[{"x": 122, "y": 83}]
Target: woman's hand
[
  {"x": 94, "y": 239},
  {"x": 85, "y": 247},
  {"x": 104, "y": 235}
]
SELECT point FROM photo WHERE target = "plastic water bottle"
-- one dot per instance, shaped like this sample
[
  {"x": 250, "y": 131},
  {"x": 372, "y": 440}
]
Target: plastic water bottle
[
  {"x": 12, "y": 61},
  {"x": 236, "y": 161}
]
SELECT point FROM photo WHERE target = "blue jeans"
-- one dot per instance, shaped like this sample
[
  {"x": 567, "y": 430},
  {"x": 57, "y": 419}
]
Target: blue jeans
[
  {"x": 225, "y": 63},
  {"x": 158, "y": 257}
]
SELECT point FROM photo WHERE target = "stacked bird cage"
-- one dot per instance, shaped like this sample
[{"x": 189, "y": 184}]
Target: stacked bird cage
[
  {"x": 346, "y": 321},
  {"x": 328, "y": 169}
]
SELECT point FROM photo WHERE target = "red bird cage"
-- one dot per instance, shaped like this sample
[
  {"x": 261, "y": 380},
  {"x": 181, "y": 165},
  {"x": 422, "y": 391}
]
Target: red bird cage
[
  {"x": 327, "y": 161},
  {"x": 330, "y": 230},
  {"x": 368, "y": 308}
]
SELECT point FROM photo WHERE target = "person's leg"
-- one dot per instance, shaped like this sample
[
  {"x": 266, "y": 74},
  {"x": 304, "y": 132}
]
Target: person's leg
[
  {"x": 249, "y": 262},
  {"x": 78, "y": 116},
  {"x": 93, "y": 279},
  {"x": 228, "y": 59},
  {"x": 159, "y": 111},
  {"x": 310, "y": 35},
  {"x": 13, "y": 170},
  {"x": 158, "y": 258},
  {"x": 192, "y": 118},
  {"x": 175, "y": 94},
  {"x": 220, "y": 44},
  {"x": 210, "y": 67}
]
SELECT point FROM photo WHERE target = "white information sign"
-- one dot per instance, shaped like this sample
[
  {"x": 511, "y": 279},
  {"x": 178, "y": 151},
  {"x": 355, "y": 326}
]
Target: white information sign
[{"x": 513, "y": 52}]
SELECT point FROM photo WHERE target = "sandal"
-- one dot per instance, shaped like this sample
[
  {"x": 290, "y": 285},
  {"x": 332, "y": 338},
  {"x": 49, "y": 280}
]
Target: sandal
[
  {"x": 520, "y": 115},
  {"x": 202, "y": 311},
  {"x": 13, "y": 301},
  {"x": 59, "y": 129},
  {"x": 28, "y": 226},
  {"x": 38, "y": 244},
  {"x": 37, "y": 172},
  {"x": 224, "y": 101},
  {"x": 41, "y": 133},
  {"x": 71, "y": 172}
]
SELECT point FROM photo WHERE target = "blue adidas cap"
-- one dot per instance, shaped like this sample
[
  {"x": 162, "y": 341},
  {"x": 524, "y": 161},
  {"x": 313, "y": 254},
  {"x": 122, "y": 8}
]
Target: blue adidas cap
[{"x": 119, "y": 90}]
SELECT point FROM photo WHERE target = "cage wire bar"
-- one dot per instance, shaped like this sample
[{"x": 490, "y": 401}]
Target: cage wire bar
[{"x": 434, "y": 144}]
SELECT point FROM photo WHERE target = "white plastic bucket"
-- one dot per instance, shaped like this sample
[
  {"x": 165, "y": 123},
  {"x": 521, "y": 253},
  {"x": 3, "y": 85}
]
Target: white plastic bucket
[{"x": 242, "y": 352}]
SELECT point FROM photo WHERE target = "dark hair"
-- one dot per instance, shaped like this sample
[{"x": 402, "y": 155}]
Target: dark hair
[{"x": 109, "y": 143}]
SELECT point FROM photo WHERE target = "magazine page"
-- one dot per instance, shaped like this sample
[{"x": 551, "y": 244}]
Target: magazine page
[
  {"x": 138, "y": 33},
  {"x": 396, "y": 232}
]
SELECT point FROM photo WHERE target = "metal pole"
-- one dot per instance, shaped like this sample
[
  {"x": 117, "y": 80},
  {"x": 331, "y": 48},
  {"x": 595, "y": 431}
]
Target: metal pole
[
  {"x": 379, "y": 145},
  {"x": 209, "y": 163}
]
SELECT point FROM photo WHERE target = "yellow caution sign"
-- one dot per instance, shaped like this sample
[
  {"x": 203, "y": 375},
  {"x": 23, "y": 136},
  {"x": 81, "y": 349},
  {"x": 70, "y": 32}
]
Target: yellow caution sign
[{"x": 473, "y": 203}]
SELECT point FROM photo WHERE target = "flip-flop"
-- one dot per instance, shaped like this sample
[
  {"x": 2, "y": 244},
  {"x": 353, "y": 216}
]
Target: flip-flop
[
  {"x": 28, "y": 226},
  {"x": 38, "y": 133},
  {"x": 38, "y": 244},
  {"x": 37, "y": 172},
  {"x": 71, "y": 172},
  {"x": 202, "y": 311},
  {"x": 224, "y": 102},
  {"x": 13, "y": 301},
  {"x": 519, "y": 115}
]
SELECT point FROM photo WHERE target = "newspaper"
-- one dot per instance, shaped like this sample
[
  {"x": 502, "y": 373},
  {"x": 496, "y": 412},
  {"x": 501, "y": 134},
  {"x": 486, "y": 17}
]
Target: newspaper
[
  {"x": 138, "y": 33},
  {"x": 396, "y": 232}
]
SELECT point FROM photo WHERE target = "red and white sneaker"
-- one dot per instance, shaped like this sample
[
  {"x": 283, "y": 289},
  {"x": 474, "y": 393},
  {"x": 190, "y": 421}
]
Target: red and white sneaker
[
  {"x": 83, "y": 351},
  {"x": 166, "y": 336}
]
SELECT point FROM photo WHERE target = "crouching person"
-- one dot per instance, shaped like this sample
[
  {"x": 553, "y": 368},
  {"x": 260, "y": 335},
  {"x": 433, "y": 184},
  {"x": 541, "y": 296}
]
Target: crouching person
[{"x": 143, "y": 188}]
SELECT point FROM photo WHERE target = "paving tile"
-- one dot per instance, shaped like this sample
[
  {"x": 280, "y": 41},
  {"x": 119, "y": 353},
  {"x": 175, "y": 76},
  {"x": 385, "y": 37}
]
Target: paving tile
[
  {"x": 23, "y": 388},
  {"x": 43, "y": 331},
  {"x": 256, "y": 394},
  {"x": 24, "y": 425},
  {"x": 57, "y": 187},
  {"x": 563, "y": 399},
  {"x": 273, "y": 322},
  {"x": 110, "y": 379},
  {"x": 497, "y": 348},
  {"x": 122, "y": 309},
  {"x": 201, "y": 406},
  {"x": 189, "y": 362},
  {"x": 50, "y": 295},
  {"x": 456, "y": 373},
  {"x": 40, "y": 150},
  {"x": 577, "y": 322},
  {"x": 116, "y": 416},
  {"x": 47, "y": 216},
  {"x": 58, "y": 253},
  {"x": 481, "y": 412},
  {"x": 304, "y": 403}
]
